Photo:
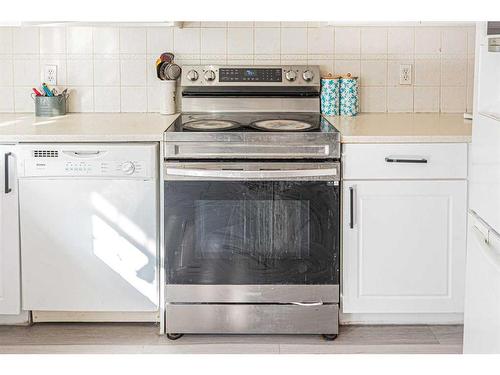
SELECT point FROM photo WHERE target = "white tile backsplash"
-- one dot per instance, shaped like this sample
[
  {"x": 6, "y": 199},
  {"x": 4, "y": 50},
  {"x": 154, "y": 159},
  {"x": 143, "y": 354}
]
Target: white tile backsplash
[
  {"x": 120, "y": 61},
  {"x": 373, "y": 40},
  {"x": 107, "y": 40},
  {"x": 453, "y": 72},
  {"x": 320, "y": 41},
  {"x": 79, "y": 40},
  {"x": 80, "y": 72},
  {"x": 373, "y": 99},
  {"x": 133, "y": 40},
  {"x": 7, "y": 72},
  {"x": 373, "y": 73},
  {"x": 453, "y": 99},
  {"x": 134, "y": 99},
  {"x": 26, "y": 40},
  {"x": 426, "y": 99},
  {"x": 7, "y": 102},
  {"x": 213, "y": 41},
  {"x": 22, "y": 99},
  {"x": 52, "y": 40},
  {"x": 160, "y": 39},
  {"x": 107, "y": 99},
  {"x": 187, "y": 40},
  {"x": 428, "y": 72},
  {"x": 6, "y": 40},
  {"x": 400, "y": 40},
  {"x": 81, "y": 99},
  {"x": 427, "y": 40},
  {"x": 26, "y": 72},
  {"x": 133, "y": 72},
  {"x": 294, "y": 40},
  {"x": 267, "y": 40},
  {"x": 400, "y": 99},
  {"x": 454, "y": 41},
  {"x": 240, "y": 41},
  {"x": 347, "y": 40},
  {"x": 106, "y": 72}
]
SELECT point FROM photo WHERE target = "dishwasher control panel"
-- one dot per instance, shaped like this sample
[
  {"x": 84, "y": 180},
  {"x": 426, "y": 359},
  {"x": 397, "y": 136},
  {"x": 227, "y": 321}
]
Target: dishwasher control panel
[
  {"x": 89, "y": 161},
  {"x": 133, "y": 168}
]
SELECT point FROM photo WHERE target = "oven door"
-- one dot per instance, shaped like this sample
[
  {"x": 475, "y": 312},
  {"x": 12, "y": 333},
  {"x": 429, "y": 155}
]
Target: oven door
[{"x": 252, "y": 224}]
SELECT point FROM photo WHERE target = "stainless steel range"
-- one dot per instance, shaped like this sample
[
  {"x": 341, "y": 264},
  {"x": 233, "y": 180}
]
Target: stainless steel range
[{"x": 252, "y": 205}]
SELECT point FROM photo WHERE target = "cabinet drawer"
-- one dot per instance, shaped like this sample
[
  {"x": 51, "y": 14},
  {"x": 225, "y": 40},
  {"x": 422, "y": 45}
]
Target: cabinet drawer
[{"x": 405, "y": 161}]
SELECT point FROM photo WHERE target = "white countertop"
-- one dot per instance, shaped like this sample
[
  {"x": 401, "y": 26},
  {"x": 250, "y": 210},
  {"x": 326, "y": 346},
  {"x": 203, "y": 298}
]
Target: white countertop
[
  {"x": 403, "y": 128},
  {"x": 84, "y": 127},
  {"x": 143, "y": 127}
]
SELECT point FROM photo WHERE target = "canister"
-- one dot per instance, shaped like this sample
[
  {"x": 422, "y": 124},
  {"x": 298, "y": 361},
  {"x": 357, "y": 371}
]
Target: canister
[
  {"x": 349, "y": 96},
  {"x": 330, "y": 95}
]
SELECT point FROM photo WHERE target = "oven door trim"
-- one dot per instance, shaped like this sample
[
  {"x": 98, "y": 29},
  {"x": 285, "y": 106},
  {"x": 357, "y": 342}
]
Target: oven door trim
[
  {"x": 301, "y": 295},
  {"x": 254, "y": 171}
]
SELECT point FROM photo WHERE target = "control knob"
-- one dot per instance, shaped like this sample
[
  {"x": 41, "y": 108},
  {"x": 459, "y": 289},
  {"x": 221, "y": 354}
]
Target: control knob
[
  {"x": 308, "y": 75},
  {"x": 128, "y": 167},
  {"x": 209, "y": 75},
  {"x": 291, "y": 75},
  {"x": 192, "y": 75}
]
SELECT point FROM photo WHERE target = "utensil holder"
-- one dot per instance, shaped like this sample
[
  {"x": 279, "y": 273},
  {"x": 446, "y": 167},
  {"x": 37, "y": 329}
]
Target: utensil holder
[
  {"x": 167, "y": 97},
  {"x": 47, "y": 106}
]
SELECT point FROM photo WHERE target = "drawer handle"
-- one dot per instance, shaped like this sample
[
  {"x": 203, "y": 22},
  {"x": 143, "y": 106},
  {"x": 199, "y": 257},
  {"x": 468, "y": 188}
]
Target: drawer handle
[
  {"x": 395, "y": 159},
  {"x": 351, "y": 207},
  {"x": 8, "y": 189}
]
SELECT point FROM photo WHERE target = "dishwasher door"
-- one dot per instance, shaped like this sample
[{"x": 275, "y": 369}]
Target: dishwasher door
[{"x": 89, "y": 244}]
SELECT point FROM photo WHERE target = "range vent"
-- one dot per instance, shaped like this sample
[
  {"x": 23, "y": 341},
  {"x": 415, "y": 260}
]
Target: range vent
[{"x": 45, "y": 153}]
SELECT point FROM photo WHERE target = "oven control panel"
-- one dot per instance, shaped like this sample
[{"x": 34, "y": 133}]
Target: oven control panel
[
  {"x": 250, "y": 75},
  {"x": 285, "y": 75}
]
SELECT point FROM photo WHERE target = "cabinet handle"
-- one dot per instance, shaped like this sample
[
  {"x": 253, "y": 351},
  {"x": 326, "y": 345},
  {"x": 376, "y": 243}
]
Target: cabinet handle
[
  {"x": 351, "y": 207},
  {"x": 8, "y": 189},
  {"x": 391, "y": 159}
]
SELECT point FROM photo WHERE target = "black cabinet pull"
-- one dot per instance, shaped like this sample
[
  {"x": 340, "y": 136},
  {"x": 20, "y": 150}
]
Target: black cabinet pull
[
  {"x": 351, "y": 207},
  {"x": 7, "y": 183},
  {"x": 398, "y": 160}
]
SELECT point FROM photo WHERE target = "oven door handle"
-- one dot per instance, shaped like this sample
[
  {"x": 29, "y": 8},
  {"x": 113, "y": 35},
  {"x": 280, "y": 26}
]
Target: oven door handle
[
  {"x": 251, "y": 174},
  {"x": 307, "y": 303}
]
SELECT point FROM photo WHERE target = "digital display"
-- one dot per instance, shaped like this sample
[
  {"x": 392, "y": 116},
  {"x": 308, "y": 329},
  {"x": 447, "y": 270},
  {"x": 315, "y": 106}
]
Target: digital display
[{"x": 250, "y": 75}]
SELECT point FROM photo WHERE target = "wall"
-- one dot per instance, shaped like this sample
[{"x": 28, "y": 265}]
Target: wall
[{"x": 111, "y": 69}]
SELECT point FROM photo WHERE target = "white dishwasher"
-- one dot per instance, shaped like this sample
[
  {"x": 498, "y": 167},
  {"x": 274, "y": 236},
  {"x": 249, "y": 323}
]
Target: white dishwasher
[{"x": 89, "y": 227}]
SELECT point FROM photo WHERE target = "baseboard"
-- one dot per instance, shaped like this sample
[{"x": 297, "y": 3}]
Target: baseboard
[
  {"x": 21, "y": 319},
  {"x": 80, "y": 316},
  {"x": 362, "y": 318}
]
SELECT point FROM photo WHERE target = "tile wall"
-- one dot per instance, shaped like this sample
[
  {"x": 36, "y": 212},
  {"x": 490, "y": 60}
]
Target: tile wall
[{"x": 111, "y": 69}]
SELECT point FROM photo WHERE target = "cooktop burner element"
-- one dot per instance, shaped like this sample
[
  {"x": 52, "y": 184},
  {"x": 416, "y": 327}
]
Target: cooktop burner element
[
  {"x": 210, "y": 125},
  {"x": 282, "y": 125}
]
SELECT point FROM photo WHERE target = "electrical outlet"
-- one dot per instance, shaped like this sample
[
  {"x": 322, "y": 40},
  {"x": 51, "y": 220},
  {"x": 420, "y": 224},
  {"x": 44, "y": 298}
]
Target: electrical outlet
[
  {"x": 405, "y": 74},
  {"x": 50, "y": 76}
]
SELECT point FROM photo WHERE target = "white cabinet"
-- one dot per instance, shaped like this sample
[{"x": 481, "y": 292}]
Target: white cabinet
[
  {"x": 10, "y": 295},
  {"x": 404, "y": 240}
]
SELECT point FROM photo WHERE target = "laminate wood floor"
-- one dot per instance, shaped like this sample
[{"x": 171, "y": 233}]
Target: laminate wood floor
[{"x": 103, "y": 338}]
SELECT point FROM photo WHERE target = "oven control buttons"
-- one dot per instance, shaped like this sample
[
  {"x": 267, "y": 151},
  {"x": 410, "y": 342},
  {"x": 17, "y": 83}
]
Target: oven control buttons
[
  {"x": 291, "y": 75},
  {"x": 209, "y": 75},
  {"x": 308, "y": 75},
  {"x": 192, "y": 75},
  {"x": 128, "y": 167}
]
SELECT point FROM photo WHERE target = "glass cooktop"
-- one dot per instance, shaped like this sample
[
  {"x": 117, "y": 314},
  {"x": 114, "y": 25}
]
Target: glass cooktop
[{"x": 252, "y": 122}]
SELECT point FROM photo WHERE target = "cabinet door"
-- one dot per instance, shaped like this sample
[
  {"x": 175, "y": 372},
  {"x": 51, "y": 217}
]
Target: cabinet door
[
  {"x": 10, "y": 297},
  {"x": 404, "y": 246}
]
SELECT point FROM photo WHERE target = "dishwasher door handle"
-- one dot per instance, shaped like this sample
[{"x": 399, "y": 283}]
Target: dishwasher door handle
[
  {"x": 403, "y": 159},
  {"x": 8, "y": 189}
]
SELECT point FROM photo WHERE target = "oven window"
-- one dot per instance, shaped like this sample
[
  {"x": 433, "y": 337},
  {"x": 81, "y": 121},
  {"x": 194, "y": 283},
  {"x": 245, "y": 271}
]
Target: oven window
[{"x": 243, "y": 232}]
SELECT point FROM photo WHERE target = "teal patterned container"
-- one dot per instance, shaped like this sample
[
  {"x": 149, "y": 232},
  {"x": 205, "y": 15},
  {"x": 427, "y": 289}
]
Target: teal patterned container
[
  {"x": 349, "y": 96},
  {"x": 330, "y": 96}
]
